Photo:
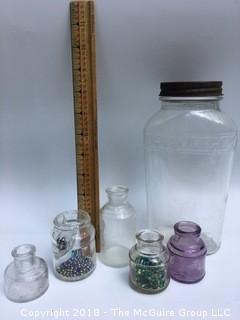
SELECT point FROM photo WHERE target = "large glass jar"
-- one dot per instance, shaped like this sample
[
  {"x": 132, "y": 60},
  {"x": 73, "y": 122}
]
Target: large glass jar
[
  {"x": 73, "y": 242},
  {"x": 148, "y": 261},
  {"x": 189, "y": 149},
  {"x": 117, "y": 227}
]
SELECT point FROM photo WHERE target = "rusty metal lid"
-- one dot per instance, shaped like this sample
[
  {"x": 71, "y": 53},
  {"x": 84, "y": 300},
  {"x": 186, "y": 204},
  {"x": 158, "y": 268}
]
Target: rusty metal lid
[{"x": 191, "y": 89}]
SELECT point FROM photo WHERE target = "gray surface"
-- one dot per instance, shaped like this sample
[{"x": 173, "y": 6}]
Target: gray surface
[{"x": 139, "y": 43}]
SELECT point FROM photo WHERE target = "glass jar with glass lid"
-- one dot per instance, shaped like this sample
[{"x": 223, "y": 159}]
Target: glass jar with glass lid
[
  {"x": 73, "y": 242},
  {"x": 189, "y": 149}
]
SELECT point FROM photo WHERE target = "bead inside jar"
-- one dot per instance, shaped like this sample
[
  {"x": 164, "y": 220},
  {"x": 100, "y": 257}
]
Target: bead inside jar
[
  {"x": 74, "y": 253},
  {"x": 148, "y": 263}
]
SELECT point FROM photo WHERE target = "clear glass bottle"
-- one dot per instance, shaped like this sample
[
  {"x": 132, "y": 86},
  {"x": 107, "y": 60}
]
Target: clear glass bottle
[
  {"x": 187, "y": 253},
  {"x": 117, "y": 227},
  {"x": 73, "y": 243},
  {"x": 189, "y": 149},
  {"x": 148, "y": 260},
  {"x": 26, "y": 278}
]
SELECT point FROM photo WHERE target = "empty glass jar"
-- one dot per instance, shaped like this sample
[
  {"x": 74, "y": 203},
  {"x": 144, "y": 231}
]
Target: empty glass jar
[
  {"x": 187, "y": 253},
  {"x": 73, "y": 243},
  {"x": 26, "y": 278},
  {"x": 148, "y": 263},
  {"x": 117, "y": 227},
  {"x": 189, "y": 149}
]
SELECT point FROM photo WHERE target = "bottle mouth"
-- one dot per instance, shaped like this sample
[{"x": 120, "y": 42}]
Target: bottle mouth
[
  {"x": 149, "y": 236},
  {"x": 117, "y": 189},
  {"x": 187, "y": 228},
  {"x": 69, "y": 220},
  {"x": 23, "y": 251}
]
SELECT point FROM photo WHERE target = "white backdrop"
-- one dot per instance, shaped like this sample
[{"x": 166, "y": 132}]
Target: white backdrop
[{"x": 139, "y": 44}]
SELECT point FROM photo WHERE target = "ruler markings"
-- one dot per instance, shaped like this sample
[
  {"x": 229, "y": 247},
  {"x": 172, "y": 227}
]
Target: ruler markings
[{"x": 84, "y": 87}]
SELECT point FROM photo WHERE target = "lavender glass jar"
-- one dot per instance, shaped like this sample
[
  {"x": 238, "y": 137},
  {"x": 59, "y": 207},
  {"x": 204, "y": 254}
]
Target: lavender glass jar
[{"x": 187, "y": 253}]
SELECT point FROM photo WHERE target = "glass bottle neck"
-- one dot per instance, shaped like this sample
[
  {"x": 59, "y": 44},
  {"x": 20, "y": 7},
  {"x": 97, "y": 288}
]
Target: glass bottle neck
[
  {"x": 191, "y": 105},
  {"x": 117, "y": 195},
  {"x": 24, "y": 257},
  {"x": 149, "y": 242},
  {"x": 187, "y": 229},
  {"x": 24, "y": 264}
]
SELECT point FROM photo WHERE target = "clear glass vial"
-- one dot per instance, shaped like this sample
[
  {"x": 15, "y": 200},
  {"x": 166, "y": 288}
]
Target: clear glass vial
[
  {"x": 117, "y": 227},
  {"x": 26, "y": 278},
  {"x": 73, "y": 243},
  {"x": 187, "y": 253},
  {"x": 148, "y": 261},
  {"x": 189, "y": 149}
]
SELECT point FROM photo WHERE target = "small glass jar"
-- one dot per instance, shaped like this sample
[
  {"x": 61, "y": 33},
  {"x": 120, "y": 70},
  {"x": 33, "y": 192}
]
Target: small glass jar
[
  {"x": 73, "y": 243},
  {"x": 187, "y": 253},
  {"x": 148, "y": 263},
  {"x": 117, "y": 227},
  {"x": 26, "y": 278}
]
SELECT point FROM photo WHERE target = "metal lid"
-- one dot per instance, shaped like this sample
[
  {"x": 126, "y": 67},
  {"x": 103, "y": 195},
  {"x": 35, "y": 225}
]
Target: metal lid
[{"x": 191, "y": 89}]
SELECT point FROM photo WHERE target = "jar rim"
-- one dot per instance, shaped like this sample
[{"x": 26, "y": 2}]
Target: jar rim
[
  {"x": 149, "y": 236},
  {"x": 68, "y": 220},
  {"x": 117, "y": 189},
  {"x": 23, "y": 250},
  {"x": 181, "y": 99},
  {"x": 187, "y": 228}
]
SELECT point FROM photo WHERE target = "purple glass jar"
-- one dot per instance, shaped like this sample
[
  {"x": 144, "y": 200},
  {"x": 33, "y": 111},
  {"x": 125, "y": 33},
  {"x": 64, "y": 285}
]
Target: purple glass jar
[{"x": 187, "y": 253}]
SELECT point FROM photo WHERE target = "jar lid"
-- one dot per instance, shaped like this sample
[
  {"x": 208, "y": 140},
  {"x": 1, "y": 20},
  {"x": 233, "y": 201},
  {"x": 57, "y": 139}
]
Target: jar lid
[
  {"x": 186, "y": 241},
  {"x": 191, "y": 89}
]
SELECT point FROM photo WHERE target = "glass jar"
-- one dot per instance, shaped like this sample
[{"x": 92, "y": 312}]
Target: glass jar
[
  {"x": 26, "y": 278},
  {"x": 117, "y": 227},
  {"x": 187, "y": 253},
  {"x": 148, "y": 261},
  {"x": 73, "y": 243},
  {"x": 189, "y": 149}
]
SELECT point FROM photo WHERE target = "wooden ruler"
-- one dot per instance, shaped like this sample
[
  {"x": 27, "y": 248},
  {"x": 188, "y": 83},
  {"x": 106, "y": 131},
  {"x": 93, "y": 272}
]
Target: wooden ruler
[{"x": 85, "y": 108}]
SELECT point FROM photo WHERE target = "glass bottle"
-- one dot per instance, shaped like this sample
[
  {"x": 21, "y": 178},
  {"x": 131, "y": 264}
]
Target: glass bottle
[
  {"x": 26, "y": 278},
  {"x": 189, "y": 149},
  {"x": 187, "y": 253},
  {"x": 148, "y": 263},
  {"x": 73, "y": 243},
  {"x": 117, "y": 227}
]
